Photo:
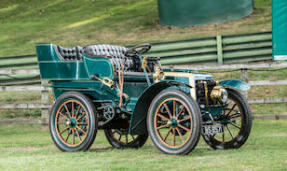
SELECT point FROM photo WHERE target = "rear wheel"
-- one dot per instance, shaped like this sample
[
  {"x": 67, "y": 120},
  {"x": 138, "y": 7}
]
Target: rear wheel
[
  {"x": 73, "y": 125},
  {"x": 120, "y": 138},
  {"x": 236, "y": 121},
  {"x": 174, "y": 122}
]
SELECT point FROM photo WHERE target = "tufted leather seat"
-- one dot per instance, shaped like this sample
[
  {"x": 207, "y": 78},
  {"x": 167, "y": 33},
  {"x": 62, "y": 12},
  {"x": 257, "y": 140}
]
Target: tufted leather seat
[
  {"x": 70, "y": 54},
  {"x": 113, "y": 52}
]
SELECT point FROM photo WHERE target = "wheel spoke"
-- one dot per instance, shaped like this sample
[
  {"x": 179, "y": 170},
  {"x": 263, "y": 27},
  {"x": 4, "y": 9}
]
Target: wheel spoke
[
  {"x": 68, "y": 136},
  {"x": 64, "y": 115},
  {"x": 120, "y": 137},
  {"x": 64, "y": 130},
  {"x": 81, "y": 129},
  {"x": 179, "y": 125},
  {"x": 83, "y": 114},
  {"x": 82, "y": 123},
  {"x": 163, "y": 126},
  {"x": 173, "y": 132},
  {"x": 73, "y": 132},
  {"x": 235, "y": 116},
  {"x": 73, "y": 109},
  {"x": 235, "y": 125},
  {"x": 167, "y": 109},
  {"x": 229, "y": 131},
  {"x": 167, "y": 134},
  {"x": 162, "y": 122},
  {"x": 133, "y": 137},
  {"x": 180, "y": 112},
  {"x": 180, "y": 135},
  {"x": 231, "y": 109},
  {"x": 182, "y": 120},
  {"x": 67, "y": 110},
  {"x": 78, "y": 110},
  {"x": 60, "y": 123},
  {"x": 163, "y": 117},
  {"x": 174, "y": 107},
  {"x": 78, "y": 134}
]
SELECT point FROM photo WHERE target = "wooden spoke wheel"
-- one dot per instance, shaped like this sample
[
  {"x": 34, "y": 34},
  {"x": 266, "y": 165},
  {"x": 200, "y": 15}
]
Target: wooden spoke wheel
[
  {"x": 174, "y": 122},
  {"x": 72, "y": 122},
  {"x": 120, "y": 138},
  {"x": 236, "y": 120}
]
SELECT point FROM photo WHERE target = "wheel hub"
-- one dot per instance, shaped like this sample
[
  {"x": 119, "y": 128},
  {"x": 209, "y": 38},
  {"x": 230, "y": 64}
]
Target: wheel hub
[
  {"x": 72, "y": 123},
  {"x": 172, "y": 122}
]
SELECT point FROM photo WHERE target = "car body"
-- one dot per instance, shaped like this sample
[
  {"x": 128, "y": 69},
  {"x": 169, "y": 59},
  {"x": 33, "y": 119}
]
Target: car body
[{"x": 120, "y": 87}]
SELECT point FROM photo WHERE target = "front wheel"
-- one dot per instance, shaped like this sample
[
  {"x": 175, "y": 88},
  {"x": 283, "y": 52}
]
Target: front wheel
[
  {"x": 174, "y": 122},
  {"x": 236, "y": 121},
  {"x": 73, "y": 124}
]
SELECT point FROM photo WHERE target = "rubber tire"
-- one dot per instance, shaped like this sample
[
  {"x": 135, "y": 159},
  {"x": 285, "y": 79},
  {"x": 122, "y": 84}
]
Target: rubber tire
[
  {"x": 86, "y": 144},
  {"x": 196, "y": 116},
  {"x": 140, "y": 141},
  {"x": 246, "y": 125}
]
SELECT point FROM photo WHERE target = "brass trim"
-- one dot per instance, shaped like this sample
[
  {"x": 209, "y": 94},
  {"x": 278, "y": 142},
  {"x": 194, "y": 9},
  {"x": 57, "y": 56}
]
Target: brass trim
[
  {"x": 108, "y": 82},
  {"x": 216, "y": 93},
  {"x": 206, "y": 92},
  {"x": 144, "y": 62},
  {"x": 158, "y": 74},
  {"x": 191, "y": 80}
]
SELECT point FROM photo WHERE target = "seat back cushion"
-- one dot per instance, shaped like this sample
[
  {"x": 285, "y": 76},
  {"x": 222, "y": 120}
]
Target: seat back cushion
[
  {"x": 70, "y": 54},
  {"x": 113, "y": 52}
]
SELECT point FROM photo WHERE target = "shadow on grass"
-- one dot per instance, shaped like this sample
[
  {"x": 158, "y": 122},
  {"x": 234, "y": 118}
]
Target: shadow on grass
[{"x": 100, "y": 149}]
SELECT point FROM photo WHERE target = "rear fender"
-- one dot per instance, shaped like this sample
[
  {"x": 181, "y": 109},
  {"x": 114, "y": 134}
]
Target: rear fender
[{"x": 138, "y": 120}]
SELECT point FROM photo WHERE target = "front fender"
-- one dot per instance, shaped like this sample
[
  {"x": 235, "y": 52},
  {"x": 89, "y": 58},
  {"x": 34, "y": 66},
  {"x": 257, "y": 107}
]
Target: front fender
[
  {"x": 138, "y": 119},
  {"x": 235, "y": 84}
]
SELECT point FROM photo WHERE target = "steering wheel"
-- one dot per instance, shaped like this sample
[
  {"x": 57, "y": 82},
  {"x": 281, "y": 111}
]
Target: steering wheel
[{"x": 139, "y": 49}]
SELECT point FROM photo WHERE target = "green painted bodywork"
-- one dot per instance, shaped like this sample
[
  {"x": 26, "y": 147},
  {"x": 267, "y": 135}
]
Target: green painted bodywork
[
  {"x": 235, "y": 84},
  {"x": 77, "y": 75}
]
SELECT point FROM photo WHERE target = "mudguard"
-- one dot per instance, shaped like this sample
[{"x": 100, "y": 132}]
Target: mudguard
[
  {"x": 235, "y": 84},
  {"x": 138, "y": 119}
]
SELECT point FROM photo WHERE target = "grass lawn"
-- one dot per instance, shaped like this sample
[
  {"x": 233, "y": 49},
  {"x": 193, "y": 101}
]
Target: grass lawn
[
  {"x": 31, "y": 148},
  {"x": 82, "y": 22}
]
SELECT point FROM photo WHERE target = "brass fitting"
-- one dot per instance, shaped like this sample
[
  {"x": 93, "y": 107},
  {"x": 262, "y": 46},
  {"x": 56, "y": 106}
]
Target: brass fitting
[
  {"x": 219, "y": 93},
  {"x": 206, "y": 92},
  {"x": 108, "y": 82},
  {"x": 144, "y": 62},
  {"x": 158, "y": 74}
]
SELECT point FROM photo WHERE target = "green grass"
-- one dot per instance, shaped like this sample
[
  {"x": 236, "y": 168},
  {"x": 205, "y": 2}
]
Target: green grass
[
  {"x": 269, "y": 109},
  {"x": 69, "y": 23},
  {"x": 19, "y": 97},
  {"x": 31, "y": 148}
]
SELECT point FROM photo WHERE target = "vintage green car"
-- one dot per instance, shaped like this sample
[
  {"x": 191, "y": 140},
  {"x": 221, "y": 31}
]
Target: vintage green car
[{"x": 131, "y": 97}]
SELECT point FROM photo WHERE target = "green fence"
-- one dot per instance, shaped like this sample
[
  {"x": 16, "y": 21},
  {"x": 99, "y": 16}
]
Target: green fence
[
  {"x": 18, "y": 63},
  {"x": 216, "y": 50},
  {"x": 212, "y": 50}
]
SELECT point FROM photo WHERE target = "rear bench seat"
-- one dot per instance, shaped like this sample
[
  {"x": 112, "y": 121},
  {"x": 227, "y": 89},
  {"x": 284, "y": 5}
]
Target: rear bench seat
[{"x": 113, "y": 52}]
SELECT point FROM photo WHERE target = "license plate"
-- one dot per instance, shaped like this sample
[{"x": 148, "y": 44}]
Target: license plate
[{"x": 212, "y": 129}]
